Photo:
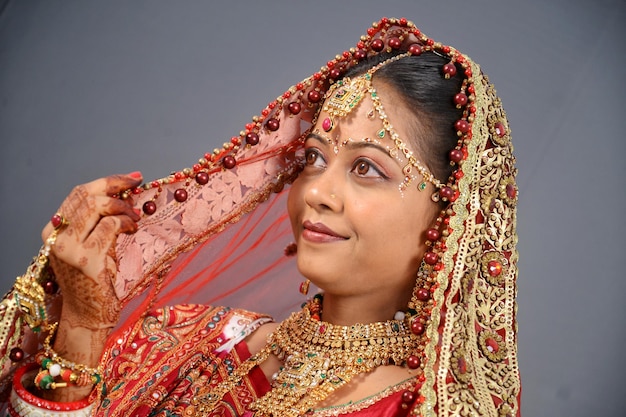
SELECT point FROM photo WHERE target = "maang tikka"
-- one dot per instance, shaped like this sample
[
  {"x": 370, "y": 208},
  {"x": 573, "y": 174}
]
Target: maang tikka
[{"x": 346, "y": 94}]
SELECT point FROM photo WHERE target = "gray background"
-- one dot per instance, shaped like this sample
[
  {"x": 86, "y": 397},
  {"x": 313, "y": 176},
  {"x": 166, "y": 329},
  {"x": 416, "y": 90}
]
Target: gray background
[{"x": 91, "y": 88}]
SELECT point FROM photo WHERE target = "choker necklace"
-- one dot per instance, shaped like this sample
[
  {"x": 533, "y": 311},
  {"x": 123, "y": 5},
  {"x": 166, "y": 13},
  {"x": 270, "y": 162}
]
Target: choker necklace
[{"x": 317, "y": 358}]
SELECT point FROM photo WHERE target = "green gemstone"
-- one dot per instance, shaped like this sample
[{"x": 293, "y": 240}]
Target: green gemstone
[
  {"x": 381, "y": 133},
  {"x": 422, "y": 186}
]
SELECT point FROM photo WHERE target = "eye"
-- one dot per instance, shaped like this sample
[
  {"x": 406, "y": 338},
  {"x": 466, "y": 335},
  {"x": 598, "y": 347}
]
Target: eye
[
  {"x": 313, "y": 158},
  {"x": 365, "y": 168}
]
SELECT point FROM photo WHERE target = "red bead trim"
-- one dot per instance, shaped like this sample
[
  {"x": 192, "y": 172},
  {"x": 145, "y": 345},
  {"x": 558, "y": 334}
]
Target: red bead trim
[{"x": 32, "y": 399}]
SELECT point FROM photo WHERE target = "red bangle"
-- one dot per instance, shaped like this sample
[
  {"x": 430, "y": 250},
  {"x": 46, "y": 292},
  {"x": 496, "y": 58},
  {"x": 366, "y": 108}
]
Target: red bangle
[{"x": 32, "y": 399}]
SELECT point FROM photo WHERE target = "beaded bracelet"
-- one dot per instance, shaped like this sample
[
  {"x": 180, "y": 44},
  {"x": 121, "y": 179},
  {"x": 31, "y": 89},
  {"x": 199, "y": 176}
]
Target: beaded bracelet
[
  {"x": 23, "y": 403},
  {"x": 53, "y": 365}
]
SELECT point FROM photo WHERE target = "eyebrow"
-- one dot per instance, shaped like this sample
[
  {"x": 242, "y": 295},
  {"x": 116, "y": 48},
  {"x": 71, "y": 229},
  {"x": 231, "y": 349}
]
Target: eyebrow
[{"x": 352, "y": 144}]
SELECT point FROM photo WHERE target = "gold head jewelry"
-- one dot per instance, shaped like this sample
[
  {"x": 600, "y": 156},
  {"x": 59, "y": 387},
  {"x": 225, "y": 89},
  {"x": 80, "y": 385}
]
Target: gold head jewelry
[{"x": 345, "y": 95}]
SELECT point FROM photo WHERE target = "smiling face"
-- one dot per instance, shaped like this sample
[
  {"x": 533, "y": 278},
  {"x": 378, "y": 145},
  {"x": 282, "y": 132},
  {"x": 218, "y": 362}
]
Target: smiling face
[{"x": 360, "y": 233}]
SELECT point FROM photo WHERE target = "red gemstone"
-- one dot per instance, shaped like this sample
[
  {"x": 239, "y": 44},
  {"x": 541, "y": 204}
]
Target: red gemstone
[
  {"x": 460, "y": 99},
  {"x": 456, "y": 155},
  {"x": 229, "y": 162},
  {"x": 202, "y": 178},
  {"x": 394, "y": 42},
  {"x": 511, "y": 191},
  {"x": 273, "y": 124},
  {"x": 415, "y": 49},
  {"x": 462, "y": 126},
  {"x": 431, "y": 258},
  {"x": 294, "y": 108},
  {"x": 327, "y": 124},
  {"x": 492, "y": 345},
  {"x": 252, "y": 138},
  {"x": 449, "y": 70},
  {"x": 377, "y": 45},
  {"x": 413, "y": 362},
  {"x": 50, "y": 287},
  {"x": 500, "y": 129},
  {"x": 16, "y": 354},
  {"x": 432, "y": 234},
  {"x": 423, "y": 294},
  {"x": 56, "y": 220},
  {"x": 417, "y": 327},
  {"x": 314, "y": 96},
  {"x": 180, "y": 195},
  {"x": 462, "y": 365},
  {"x": 322, "y": 329},
  {"x": 149, "y": 207},
  {"x": 494, "y": 268},
  {"x": 408, "y": 396}
]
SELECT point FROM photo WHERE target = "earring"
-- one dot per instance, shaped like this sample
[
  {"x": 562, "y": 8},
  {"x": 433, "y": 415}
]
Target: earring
[
  {"x": 291, "y": 249},
  {"x": 304, "y": 287}
]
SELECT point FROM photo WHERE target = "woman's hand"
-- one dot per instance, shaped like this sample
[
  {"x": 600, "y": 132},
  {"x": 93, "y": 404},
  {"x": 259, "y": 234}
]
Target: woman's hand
[{"x": 83, "y": 257}]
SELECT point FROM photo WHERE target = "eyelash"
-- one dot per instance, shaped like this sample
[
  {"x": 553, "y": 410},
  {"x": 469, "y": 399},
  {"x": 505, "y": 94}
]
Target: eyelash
[{"x": 370, "y": 165}]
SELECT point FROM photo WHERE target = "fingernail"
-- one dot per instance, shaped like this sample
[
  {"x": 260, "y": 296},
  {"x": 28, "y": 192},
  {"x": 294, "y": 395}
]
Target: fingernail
[{"x": 136, "y": 174}]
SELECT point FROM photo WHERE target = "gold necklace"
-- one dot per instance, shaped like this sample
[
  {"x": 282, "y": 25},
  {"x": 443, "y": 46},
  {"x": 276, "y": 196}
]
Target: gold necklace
[{"x": 318, "y": 358}]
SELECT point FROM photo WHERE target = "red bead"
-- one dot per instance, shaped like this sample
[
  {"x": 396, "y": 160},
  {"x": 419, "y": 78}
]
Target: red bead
[
  {"x": 415, "y": 49},
  {"x": 403, "y": 21},
  {"x": 180, "y": 195},
  {"x": 431, "y": 258},
  {"x": 294, "y": 108},
  {"x": 449, "y": 70},
  {"x": 394, "y": 42},
  {"x": 458, "y": 174},
  {"x": 360, "y": 55},
  {"x": 408, "y": 396},
  {"x": 454, "y": 196},
  {"x": 494, "y": 268},
  {"x": 16, "y": 354},
  {"x": 202, "y": 178},
  {"x": 334, "y": 73},
  {"x": 413, "y": 362},
  {"x": 377, "y": 45},
  {"x": 446, "y": 49},
  {"x": 50, "y": 287},
  {"x": 56, "y": 220},
  {"x": 471, "y": 89},
  {"x": 500, "y": 129},
  {"x": 273, "y": 124},
  {"x": 432, "y": 234},
  {"x": 360, "y": 45},
  {"x": 423, "y": 294},
  {"x": 456, "y": 155},
  {"x": 346, "y": 54},
  {"x": 265, "y": 112},
  {"x": 317, "y": 76},
  {"x": 149, "y": 207},
  {"x": 299, "y": 86},
  {"x": 384, "y": 20},
  {"x": 252, "y": 138},
  {"x": 287, "y": 94},
  {"x": 417, "y": 327},
  {"x": 462, "y": 126},
  {"x": 229, "y": 162},
  {"x": 330, "y": 64},
  {"x": 460, "y": 99},
  {"x": 446, "y": 192},
  {"x": 179, "y": 175},
  {"x": 314, "y": 96}
]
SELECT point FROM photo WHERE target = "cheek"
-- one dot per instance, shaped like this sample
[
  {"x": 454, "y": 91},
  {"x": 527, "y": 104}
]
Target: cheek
[{"x": 295, "y": 202}]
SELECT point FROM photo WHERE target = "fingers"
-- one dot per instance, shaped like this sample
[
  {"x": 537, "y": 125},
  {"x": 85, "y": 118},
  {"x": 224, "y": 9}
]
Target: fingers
[{"x": 87, "y": 203}]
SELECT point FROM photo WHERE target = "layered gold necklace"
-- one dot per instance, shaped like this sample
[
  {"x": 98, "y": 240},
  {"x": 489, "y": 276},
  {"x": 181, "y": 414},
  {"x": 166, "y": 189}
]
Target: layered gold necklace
[{"x": 317, "y": 358}]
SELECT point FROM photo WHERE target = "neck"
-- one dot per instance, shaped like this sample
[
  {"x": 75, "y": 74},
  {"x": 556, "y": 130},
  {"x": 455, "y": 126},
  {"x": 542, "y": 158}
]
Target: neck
[{"x": 348, "y": 310}]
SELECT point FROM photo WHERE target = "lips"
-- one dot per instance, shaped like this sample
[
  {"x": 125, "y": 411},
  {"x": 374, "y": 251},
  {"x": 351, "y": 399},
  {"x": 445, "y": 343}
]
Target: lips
[{"x": 319, "y": 232}]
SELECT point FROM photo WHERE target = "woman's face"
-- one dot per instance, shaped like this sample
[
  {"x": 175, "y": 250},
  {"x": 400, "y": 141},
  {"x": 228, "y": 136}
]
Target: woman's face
[{"x": 359, "y": 232}]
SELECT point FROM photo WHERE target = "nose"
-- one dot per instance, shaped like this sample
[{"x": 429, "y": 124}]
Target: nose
[{"x": 325, "y": 191}]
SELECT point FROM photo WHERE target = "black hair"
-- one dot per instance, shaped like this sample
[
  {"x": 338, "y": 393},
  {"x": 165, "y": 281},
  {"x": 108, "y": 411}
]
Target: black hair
[{"x": 419, "y": 81}]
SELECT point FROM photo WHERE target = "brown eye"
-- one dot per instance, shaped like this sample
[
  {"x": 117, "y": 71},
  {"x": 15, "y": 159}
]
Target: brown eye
[
  {"x": 362, "y": 168},
  {"x": 311, "y": 157}
]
